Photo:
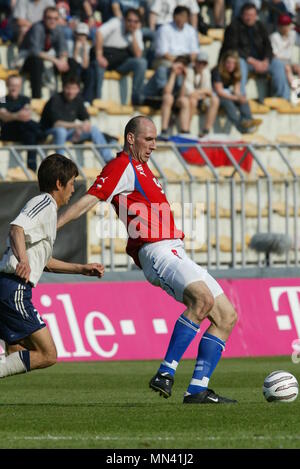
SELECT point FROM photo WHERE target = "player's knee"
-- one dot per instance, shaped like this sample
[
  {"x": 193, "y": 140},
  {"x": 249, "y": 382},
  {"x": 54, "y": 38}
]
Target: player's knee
[
  {"x": 168, "y": 99},
  {"x": 203, "y": 304},
  {"x": 229, "y": 319}
]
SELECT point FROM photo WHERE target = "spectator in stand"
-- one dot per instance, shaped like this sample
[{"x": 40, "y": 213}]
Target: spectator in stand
[
  {"x": 162, "y": 11},
  {"x": 173, "y": 39},
  {"x": 199, "y": 90},
  {"x": 173, "y": 97},
  {"x": 65, "y": 22},
  {"x": 226, "y": 81},
  {"x": 283, "y": 42},
  {"x": 119, "y": 46},
  {"x": 218, "y": 7},
  {"x": 176, "y": 38},
  {"x": 108, "y": 10},
  {"x": 6, "y": 19},
  {"x": 238, "y": 4},
  {"x": 66, "y": 118},
  {"x": 26, "y": 13},
  {"x": 43, "y": 42},
  {"x": 122, "y": 6},
  {"x": 16, "y": 122},
  {"x": 249, "y": 37}
]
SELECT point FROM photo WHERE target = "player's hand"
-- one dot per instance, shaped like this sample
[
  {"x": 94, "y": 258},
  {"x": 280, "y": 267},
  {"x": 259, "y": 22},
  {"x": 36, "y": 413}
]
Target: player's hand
[
  {"x": 93, "y": 270},
  {"x": 23, "y": 270}
]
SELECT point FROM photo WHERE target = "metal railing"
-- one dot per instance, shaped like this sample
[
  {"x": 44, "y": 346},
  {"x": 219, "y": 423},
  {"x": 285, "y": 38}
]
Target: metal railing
[{"x": 235, "y": 204}]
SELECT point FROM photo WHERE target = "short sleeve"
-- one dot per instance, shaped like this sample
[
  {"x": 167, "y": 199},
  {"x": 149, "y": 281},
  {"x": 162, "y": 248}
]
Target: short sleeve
[
  {"x": 116, "y": 177},
  {"x": 38, "y": 219}
]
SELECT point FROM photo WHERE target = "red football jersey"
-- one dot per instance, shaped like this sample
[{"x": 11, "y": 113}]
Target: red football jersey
[{"x": 139, "y": 201}]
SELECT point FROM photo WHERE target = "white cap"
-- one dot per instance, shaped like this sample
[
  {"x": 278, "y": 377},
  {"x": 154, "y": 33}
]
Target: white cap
[
  {"x": 202, "y": 56},
  {"x": 82, "y": 28}
]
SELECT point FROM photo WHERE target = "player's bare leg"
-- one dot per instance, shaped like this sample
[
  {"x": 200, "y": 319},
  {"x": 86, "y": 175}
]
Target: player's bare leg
[
  {"x": 38, "y": 351},
  {"x": 223, "y": 318}
]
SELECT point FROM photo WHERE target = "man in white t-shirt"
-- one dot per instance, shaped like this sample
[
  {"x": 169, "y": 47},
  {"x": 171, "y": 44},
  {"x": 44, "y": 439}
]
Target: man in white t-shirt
[
  {"x": 119, "y": 46},
  {"x": 29, "y": 252},
  {"x": 283, "y": 42},
  {"x": 174, "y": 39}
]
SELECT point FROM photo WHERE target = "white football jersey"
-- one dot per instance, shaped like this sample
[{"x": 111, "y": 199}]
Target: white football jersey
[{"x": 39, "y": 220}]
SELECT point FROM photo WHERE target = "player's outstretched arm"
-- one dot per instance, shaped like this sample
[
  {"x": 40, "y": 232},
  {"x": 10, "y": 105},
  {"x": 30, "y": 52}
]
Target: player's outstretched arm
[
  {"x": 61, "y": 267},
  {"x": 80, "y": 207},
  {"x": 18, "y": 246}
]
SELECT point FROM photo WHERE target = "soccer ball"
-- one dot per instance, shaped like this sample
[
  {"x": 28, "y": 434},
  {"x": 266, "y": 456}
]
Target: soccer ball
[{"x": 280, "y": 386}]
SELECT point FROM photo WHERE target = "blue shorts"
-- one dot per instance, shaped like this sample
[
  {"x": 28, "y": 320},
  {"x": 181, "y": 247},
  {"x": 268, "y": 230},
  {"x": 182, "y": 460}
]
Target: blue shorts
[{"x": 18, "y": 317}]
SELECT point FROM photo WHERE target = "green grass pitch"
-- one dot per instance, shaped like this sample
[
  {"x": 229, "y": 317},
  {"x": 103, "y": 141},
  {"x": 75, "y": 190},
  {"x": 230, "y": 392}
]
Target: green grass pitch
[{"x": 109, "y": 405}]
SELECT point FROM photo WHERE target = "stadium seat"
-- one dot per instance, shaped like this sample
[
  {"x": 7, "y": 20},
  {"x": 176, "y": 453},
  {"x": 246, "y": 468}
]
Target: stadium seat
[
  {"x": 289, "y": 109},
  {"x": 92, "y": 111},
  {"x": 201, "y": 173},
  {"x": 173, "y": 176},
  {"x": 204, "y": 40},
  {"x": 37, "y": 105},
  {"x": 193, "y": 245},
  {"x": 91, "y": 173},
  {"x": 274, "y": 173},
  {"x": 279, "y": 207},
  {"x": 102, "y": 104},
  {"x": 217, "y": 34},
  {"x": 17, "y": 174},
  {"x": 276, "y": 103},
  {"x": 225, "y": 243},
  {"x": 119, "y": 109},
  {"x": 288, "y": 138},
  {"x": 223, "y": 212},
  {"x": 255, "y": 138},
  {"x": 258, "y": 108},
  {"x": 251, "y": 210},
  {"x": 147, "y": 110}
]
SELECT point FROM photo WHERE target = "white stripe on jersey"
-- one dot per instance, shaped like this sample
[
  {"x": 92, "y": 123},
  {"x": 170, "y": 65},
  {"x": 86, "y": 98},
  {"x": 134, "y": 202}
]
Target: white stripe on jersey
[{"x": 126, "y": 183}]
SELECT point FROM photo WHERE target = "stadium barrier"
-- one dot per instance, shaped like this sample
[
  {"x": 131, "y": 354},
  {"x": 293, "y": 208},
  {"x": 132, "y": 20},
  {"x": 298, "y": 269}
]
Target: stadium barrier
[
  {"x": 220, "y": 208},
  {"x": 134, "y": 320}
]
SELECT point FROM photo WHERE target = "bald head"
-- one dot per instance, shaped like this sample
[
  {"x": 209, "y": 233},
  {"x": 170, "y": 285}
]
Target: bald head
[
  {"x": 133, "y": 126},
  {"x": 140, "y": 138}
]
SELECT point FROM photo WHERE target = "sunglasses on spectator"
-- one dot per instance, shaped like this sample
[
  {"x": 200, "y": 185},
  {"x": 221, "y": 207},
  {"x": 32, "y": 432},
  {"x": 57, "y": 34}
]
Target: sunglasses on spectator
[
  {"x": 132, "y": 20},
  {"x": 54, "y": 18}
]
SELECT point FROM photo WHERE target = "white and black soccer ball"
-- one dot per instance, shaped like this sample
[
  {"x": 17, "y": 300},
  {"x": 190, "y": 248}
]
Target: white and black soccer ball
[{"x": 280, "y": 386}]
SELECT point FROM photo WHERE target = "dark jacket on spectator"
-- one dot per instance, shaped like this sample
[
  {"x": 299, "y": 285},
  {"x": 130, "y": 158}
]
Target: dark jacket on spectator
[
  {"x": 34, "y": 40},
  {"x": 238, "y": 37}
]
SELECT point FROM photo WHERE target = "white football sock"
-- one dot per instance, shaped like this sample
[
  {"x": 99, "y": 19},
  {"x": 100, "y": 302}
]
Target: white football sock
[{"x": 12, "y": 365}]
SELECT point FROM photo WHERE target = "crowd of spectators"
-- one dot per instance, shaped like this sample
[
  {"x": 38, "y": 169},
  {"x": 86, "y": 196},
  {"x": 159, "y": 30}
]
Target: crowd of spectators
[{"x": 83, "y": 39}]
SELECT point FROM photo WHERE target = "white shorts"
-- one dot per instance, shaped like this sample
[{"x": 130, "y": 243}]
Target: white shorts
[{"x": 165, "y": 264}]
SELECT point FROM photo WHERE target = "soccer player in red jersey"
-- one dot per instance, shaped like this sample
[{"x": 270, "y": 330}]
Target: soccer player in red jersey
[{"x": 156, "y": 246}]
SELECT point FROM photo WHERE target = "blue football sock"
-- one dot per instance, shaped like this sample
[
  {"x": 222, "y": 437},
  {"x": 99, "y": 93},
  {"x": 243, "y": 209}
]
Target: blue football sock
[
  {"x": 184, "y": 332},
  {"x": 25, "y": 357},
  {"x": 209, "y": 354}
]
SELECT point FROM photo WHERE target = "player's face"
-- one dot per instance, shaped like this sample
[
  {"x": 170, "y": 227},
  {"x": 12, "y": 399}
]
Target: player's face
[
  {"x": 65, "y": 192},
  {"x": 144, "y": 142}
]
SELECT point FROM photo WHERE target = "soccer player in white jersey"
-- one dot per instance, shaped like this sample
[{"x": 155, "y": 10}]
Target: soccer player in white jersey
[
  {"x": 29, "y": 252},
  {"x": 156, "y": 246}
]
